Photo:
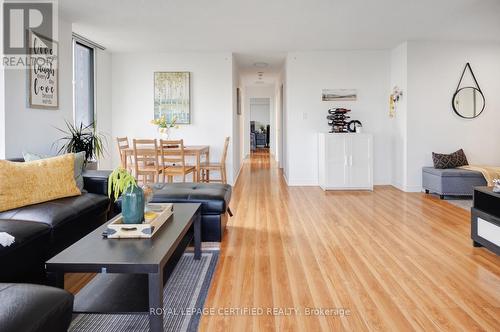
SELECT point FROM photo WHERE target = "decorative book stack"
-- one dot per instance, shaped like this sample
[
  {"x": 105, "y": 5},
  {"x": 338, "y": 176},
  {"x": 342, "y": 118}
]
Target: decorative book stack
[{"x": 338, "y": 120}]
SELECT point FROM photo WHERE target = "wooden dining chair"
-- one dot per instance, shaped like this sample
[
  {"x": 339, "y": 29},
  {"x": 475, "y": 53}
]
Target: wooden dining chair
[
  {"x": 220, "y": 167},
  {"x": 173, "y": 160},
  {"x": 122, "y": 146},
  {"x": 145, "y": 160}
]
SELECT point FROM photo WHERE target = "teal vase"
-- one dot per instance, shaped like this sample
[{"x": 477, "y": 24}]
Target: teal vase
[{"x": 133, "y": 205}]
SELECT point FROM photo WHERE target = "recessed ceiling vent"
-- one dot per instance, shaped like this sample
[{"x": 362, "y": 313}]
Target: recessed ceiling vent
[{"x": 261, "y": 64}]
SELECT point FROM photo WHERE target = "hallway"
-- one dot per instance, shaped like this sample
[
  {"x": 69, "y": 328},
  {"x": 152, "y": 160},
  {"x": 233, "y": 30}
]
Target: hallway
[{"x": 382, "y": 260}]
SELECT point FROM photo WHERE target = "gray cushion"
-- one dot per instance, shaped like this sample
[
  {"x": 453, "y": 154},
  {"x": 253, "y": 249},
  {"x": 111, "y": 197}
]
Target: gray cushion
[
  {"x": 79, "y": 163},
  {"x": 452, "y": 172}
]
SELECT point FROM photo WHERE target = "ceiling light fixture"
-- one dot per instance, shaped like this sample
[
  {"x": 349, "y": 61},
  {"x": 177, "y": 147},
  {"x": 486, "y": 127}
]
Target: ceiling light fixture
[{"x": 261, "y": 64}]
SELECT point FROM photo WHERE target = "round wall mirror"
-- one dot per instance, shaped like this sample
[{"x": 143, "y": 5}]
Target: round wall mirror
[{"x": 468, "y": 102}]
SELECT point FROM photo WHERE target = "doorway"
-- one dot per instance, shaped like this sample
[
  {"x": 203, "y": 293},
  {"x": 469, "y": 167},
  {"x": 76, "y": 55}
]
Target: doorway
[{"x": 260, "y": 125}]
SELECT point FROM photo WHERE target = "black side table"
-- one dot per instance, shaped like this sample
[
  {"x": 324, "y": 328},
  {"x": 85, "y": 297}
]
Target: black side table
[{"x": 485, "y": 219}]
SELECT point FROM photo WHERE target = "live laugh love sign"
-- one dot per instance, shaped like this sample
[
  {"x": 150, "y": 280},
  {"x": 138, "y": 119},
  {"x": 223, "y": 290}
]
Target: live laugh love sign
[{"x": 43, "y": 72}]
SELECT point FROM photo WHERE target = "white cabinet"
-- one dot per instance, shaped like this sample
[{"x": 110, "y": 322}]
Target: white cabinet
[{"x": 345, "y": 161}]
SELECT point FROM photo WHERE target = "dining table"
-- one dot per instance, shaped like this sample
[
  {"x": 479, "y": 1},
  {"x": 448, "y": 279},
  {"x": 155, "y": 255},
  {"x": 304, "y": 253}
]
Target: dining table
[{"x": 197, "y": 151}]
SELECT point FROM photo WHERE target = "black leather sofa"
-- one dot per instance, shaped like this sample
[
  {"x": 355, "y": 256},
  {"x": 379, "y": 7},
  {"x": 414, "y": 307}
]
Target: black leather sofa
[
  {"x": 43, "y": 230},
  {"x": 214, "y": 199},
  {"x": 34, "y": 308}
]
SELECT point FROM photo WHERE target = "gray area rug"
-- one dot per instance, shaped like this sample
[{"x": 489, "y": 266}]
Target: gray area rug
[
  {"x": 185, "y": 290},
  {"x": 464, "y": 203}
]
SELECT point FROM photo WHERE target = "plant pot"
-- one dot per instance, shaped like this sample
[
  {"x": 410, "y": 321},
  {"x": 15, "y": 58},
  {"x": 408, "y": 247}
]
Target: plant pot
[
  {"x": 91, "y": 165},
  {"x": 164, "y": 133},
  {"x": 133, "y": 205}
]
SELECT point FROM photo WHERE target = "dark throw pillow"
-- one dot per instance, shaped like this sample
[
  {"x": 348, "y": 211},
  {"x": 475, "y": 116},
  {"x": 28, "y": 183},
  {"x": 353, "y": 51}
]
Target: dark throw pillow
[{"x": 455, "y": 159}]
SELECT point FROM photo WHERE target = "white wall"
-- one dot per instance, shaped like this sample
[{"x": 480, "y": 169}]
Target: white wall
[
  {"x": 277, "y": 135},
  {"x": 2, "y": 111},
  {"x": 211, "y": 98},
  {"x": 34, "y": 130},
  {"x": 284, "y": 135},
  {"x": 235, "y": 139},
  {"x": 310, "y": 72},
  {"x": 242, "y": 121},
  {"x": 272, "y": 124},
  {"x": 399, "y": 78},
  {"x": 2, "y": 98},
  {"x": 434, "y": 69}
]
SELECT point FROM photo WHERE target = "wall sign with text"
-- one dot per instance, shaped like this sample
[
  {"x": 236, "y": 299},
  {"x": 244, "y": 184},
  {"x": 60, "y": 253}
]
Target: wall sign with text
[{"x": 43, "y": 72}]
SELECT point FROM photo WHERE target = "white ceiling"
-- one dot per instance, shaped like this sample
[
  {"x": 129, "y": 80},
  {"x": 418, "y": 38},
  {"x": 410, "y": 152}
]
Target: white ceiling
[
  {"x": 249, "y": 69},
  {"x": 253, "y": 26}
]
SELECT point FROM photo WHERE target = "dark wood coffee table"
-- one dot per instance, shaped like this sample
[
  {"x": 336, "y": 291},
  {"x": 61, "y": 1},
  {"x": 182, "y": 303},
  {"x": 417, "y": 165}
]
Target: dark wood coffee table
[{"x": 133, "y": 257}]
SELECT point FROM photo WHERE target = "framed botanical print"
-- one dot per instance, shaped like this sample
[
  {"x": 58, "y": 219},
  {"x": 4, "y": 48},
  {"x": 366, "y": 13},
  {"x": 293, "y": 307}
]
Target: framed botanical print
[
  {"x": 43, "y": 71},
  {"x": 172, "y": 96}
]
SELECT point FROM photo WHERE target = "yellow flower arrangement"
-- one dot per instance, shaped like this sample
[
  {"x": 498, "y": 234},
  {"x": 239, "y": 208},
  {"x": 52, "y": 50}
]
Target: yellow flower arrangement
[{"x": 162, "y": 123}]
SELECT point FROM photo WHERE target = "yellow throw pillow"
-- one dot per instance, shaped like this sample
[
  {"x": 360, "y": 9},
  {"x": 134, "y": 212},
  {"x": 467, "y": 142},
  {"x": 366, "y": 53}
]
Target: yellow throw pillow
[{"x": 37, "y": 181}]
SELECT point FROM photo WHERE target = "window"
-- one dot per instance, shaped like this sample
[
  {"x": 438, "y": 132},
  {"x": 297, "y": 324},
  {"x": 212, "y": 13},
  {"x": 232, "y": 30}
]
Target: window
[{"x": 83, "y": 76}]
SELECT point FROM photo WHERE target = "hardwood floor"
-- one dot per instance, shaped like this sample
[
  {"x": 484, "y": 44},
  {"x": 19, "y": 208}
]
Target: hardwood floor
[
  {"x": 396, "y": 261},
  {"x": 393, "y": 260}
]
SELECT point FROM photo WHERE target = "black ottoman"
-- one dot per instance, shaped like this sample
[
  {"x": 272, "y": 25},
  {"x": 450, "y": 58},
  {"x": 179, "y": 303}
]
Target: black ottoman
[
  {"x": 214, "y": 199},
  {"x": 27, "y": 307}
]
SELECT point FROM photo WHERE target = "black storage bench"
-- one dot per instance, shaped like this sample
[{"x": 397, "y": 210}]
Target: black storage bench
[{"x": 214, "y": 199}]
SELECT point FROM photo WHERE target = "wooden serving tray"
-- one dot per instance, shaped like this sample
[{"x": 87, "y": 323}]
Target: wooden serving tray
[{"x": 118, "y": 230}]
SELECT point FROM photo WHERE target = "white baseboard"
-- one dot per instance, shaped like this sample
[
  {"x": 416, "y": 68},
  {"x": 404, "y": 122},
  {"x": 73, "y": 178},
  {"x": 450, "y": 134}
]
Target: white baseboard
[
  {"x": 407, "y": 189},
  {"x": 286, "y": 179},
  {"x": 238, "y": 174},
  {"x": 413, "y": 189},
  {"x": 302, "y": 183},
  {"x": 398, "y": 186}
]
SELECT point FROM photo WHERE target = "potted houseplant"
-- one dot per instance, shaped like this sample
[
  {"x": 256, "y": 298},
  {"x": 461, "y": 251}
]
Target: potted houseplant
[
  {"x": 83, "y": 138},
  {"x": 121, "y": 182},
  {"x": 165, "y": 126}
]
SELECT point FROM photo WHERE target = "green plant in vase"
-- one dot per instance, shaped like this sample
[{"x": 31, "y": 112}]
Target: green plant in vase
[
  {"x": 121, "y": 182},
  {"x": 82, "y": 138}
]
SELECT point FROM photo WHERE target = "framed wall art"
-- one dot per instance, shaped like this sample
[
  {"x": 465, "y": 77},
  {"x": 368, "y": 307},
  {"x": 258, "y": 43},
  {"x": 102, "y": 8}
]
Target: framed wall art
[
  {"x": 43, "y": 72},
  {"x": 172, "y": 96},
  {"x": 339, "y": 95}
]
